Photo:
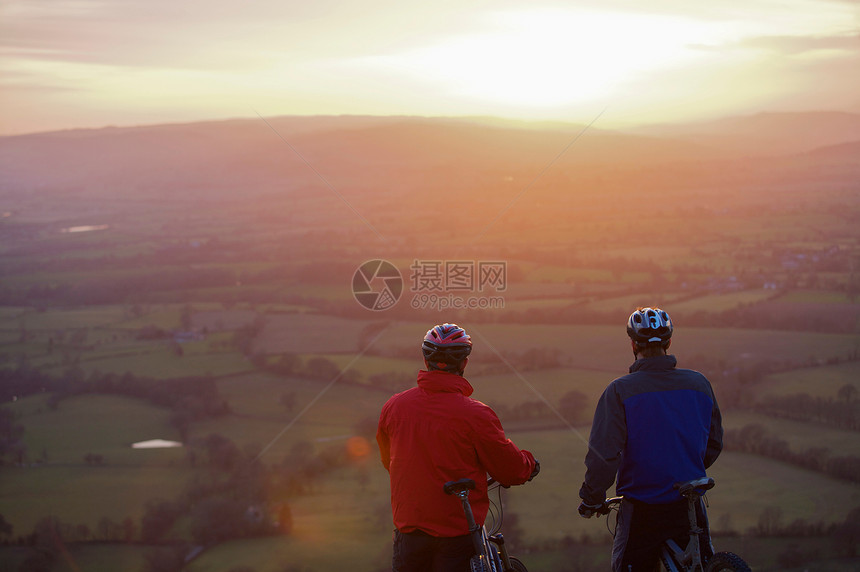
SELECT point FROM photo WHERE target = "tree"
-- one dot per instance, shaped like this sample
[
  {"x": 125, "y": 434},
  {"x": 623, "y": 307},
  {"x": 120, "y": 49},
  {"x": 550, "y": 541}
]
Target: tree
[
  {"x": 222, "y": 453},
  {"x": 846, "y": 536},
  {"x": 322, "y": 368},
  {"x": 128, "y": 530},
  {"x": 847, "y": 393},
  {"x": 288, "y": 401},
  {"x": 94, "y": 459},
  {"x": 215, "y": 520},
  {"x": 158, "y": 519},
  {"x": 285, "y": 518},
  {"x": 287, "y": 364},
  {"x": 5, "y": 527},
  {"x": 769, "y": 521},
  {"x": 185, "y": 317},
  {"x": 572, "y": 406}
]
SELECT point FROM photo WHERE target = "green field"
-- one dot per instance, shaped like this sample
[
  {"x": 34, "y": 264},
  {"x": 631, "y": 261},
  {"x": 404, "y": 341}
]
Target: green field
[
  {"x": 746, "y": 485},
  {"x": 162, "y": 363},
  {"x": 816, "y": 297},
  {"x": 73, "y": 318},
  {"x": 367, "y": 365},
  {"x": 308, "y": 333},
  {"x": 799, "y": 435},
  {"x": 721, "y": 302},
  {"x": 514, "y": 388},
  {"x": 77, "y": 427},
  {"x": 79, "y": 494},
  {"x": 817, "y": 382},
  {"x": 624, "y": 305},
  {"x": 607, "y": 348}
]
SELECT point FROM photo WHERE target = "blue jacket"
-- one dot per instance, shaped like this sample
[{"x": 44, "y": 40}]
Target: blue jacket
[{"x": 657, "y": 426}]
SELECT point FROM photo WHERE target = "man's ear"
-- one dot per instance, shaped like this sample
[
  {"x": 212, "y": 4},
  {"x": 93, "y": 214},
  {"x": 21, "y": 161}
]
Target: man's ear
[{"x": 668, "y": 343}]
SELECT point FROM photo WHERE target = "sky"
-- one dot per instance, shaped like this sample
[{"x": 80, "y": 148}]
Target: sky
[{"x": 94, "y": 63}]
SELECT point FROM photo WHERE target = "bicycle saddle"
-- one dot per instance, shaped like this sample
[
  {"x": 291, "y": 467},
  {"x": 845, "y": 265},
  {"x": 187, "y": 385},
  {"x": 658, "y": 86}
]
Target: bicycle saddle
[
  {"x": 454, "y": 487},
  {"x": 698, "y": 485}
]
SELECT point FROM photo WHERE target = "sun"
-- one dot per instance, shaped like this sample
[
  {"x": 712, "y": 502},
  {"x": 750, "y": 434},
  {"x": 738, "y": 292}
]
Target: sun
[{"x": 553, "y": 57}]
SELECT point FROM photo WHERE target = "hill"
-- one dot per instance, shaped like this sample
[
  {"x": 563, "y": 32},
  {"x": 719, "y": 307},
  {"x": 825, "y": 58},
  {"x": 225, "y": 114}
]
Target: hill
[
  {"x": 767, "y": 134},
  {"x": 257, "y": 155}
]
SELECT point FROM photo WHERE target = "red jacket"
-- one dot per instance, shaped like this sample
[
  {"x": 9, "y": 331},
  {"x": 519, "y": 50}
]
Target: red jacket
[{"x": 435, "y": 433}]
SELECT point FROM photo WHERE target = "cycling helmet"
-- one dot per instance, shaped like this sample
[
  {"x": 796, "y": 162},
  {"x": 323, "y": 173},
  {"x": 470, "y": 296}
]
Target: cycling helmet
[
  {"x": 650, "y": 326},
  {"x": 445, "y": 346}
]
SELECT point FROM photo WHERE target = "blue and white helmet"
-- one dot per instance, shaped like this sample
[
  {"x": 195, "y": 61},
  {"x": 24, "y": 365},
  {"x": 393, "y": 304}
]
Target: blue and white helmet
[{"x": 650, "y": 326}]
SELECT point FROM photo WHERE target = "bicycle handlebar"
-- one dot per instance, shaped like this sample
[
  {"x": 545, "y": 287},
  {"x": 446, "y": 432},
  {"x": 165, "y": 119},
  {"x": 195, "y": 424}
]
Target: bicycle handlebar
[{"x": 491, "y": 481}]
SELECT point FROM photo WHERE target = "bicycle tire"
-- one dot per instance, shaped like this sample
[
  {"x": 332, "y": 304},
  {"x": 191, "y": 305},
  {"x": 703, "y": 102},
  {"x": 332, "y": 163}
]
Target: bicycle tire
[
  {"x": 727, "y": 562},
  {"x": 476, "y": 564},
  {"x": 665, "y": 563},
  {"x": 517, "y": 565}
]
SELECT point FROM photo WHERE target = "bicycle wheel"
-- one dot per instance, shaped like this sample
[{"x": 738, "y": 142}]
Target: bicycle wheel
[
  {"x": 668, "y": 564},
  {"x": 477, "y": 564},
  {"x": 727, "y": 562},
  {"x": 518, "y": 566}
]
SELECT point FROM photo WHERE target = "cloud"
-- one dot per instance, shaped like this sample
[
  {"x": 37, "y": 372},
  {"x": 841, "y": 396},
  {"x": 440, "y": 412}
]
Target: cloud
[
  {"x": 174, "y": 57},
  {"x": 792, "y": 45},
  {"x": 215, "y": 33}
]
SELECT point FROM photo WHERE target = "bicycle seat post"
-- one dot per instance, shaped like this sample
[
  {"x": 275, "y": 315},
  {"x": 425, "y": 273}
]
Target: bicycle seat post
[{"x": 461, "y": 488}]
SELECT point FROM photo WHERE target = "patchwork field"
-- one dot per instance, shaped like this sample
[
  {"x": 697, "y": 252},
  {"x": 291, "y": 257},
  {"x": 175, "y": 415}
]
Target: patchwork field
[{"x": 216, "y": 310}]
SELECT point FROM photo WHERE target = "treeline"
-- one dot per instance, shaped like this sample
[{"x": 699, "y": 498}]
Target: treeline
[
  {"x": 734, "y": 384},
  {"x": 166, "y": 278},
  {"x": 116, "y": 290},
  {"x": 571, "y": 408},
  {"x": 754, "y": 438},
  {"x": 318, "y": 368},
  {"x": 845, "y": 536},
  {"x": 844, "y": 541},
  {"x": 843, "y": 412}
]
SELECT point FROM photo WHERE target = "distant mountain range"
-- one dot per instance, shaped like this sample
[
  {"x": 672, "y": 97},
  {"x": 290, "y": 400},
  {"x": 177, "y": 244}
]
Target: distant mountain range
[
  {"x": 767, "y": 133},
  {"x": 285, "y": 152}
]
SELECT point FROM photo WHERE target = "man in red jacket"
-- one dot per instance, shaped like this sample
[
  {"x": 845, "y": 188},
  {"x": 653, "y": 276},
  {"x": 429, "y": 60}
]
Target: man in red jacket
[{"x": 435, "y": 433}]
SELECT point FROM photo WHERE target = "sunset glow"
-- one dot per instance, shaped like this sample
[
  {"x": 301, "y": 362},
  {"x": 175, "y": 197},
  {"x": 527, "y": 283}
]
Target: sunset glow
[
  {"x": 89, "y": 64},
  {"x": 549, "y": 58}
]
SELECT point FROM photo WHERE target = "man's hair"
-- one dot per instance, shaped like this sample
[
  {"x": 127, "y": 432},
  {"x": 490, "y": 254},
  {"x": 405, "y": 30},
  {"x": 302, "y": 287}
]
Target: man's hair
[{"x": 650, "y": 350}]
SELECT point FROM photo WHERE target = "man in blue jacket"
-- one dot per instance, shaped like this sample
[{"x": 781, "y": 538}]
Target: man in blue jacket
[{"x": 657, "y": 426}]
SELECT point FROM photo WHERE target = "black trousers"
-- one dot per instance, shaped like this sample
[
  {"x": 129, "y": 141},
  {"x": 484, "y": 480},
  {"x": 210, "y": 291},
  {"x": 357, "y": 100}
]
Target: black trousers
[
  {"x": 420, "y": 552},
  {"x": 642, "y": 528}
]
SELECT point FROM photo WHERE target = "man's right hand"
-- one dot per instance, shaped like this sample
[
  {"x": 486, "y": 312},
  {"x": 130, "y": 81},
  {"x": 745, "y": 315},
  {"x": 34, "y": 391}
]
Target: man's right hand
[
  {"x": 536, "y": 470},
  {"x": 588, "y": 510}
]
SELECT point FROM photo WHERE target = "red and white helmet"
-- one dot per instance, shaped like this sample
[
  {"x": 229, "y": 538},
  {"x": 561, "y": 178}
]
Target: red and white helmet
[{"x": 445, "y": 346}]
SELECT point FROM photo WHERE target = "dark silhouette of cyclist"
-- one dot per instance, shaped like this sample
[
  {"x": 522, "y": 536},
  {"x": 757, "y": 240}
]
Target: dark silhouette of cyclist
[
  {"x": 435, "y": 433},
  {"x": 657, "y": 426}
]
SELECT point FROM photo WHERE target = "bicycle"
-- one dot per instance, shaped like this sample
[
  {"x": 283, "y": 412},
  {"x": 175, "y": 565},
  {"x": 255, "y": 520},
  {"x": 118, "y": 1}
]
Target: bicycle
[
  {"x": 491, "y": 554},
  {"x": 689, "y": 559}
]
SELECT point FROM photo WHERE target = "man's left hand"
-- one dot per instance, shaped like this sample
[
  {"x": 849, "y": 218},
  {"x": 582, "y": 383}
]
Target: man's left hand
[{"x": 588, "y": 510}]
